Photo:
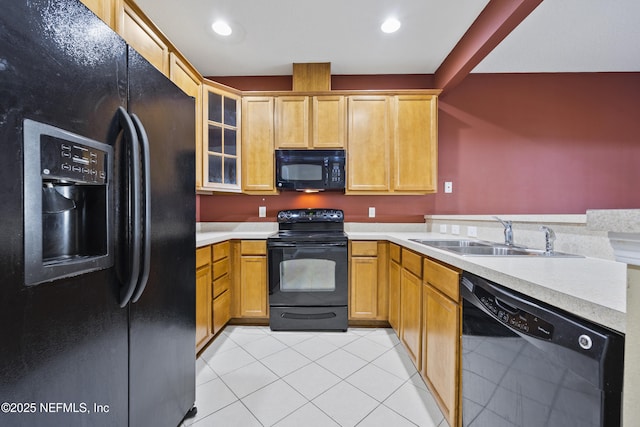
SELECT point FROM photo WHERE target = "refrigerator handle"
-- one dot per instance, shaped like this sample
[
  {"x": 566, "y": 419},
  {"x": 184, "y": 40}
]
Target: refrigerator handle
[
  {"x": 133, "y": 210},
  {"x": 146, "y": 218}
]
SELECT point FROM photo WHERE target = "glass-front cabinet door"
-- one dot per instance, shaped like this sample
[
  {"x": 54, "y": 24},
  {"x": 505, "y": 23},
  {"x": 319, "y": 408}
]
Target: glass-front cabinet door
[{"x": 221, "y": 145}]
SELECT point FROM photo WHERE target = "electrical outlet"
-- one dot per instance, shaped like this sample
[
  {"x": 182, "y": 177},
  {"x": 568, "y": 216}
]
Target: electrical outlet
[
  {"x": 262, "y": 211},
  {"x": 443, "y": 228},
  {"x": 455, "y": 229},
  {"x": 448, "y": 187},
  {"x": 372, "y": 212},
  {"x": 472, "y": 231}
]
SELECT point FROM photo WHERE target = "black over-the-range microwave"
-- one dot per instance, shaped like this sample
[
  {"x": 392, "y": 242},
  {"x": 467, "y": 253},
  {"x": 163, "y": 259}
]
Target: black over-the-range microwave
[{"x": 310, "y": 170}]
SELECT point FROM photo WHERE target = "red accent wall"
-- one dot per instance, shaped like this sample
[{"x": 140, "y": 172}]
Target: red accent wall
[
  {"x": 540, "y": 143},
  {"x": 510, "y": 143}
]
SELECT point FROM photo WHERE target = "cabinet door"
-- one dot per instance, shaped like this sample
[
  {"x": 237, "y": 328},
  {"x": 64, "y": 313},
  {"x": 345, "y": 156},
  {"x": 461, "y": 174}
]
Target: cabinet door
[
  {"x": 368, "y": 144},
  {"x": 221, "y": 311},
  {"x": 441, "y": 350},
  {"x": 329, "y": 122},
  {"x": 363, "y": 295},
  {"x": 253, "y": 286},
  {"x": 411, "y": 314},
  {"x": 221, "y": 140},
  {"x": 394, "y": 295},
  {"x": 415, "y": 143},
  {"x": 187, "y": 79},
  {"x": 203, "y": 306},
  {"x": 258, "y": 168},
  {"x": 292, "y": 122},
  {"x": 104, "y": 9},
  {"x": 142, "y": 37}
]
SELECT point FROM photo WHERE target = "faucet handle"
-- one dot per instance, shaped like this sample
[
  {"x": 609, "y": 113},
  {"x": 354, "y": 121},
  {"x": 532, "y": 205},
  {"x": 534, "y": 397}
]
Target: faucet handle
[
  {"x": 549, "y": 236},
  {"x": 505, "y": 223},
  {"x": 508, "y": 230}
]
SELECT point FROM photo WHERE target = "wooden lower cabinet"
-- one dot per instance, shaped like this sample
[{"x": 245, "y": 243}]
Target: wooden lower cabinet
[
  {"x": 221, "y": 310},
  {"x": 411, "y": 314},
  {"x": 203, "y": 296},
  {"x": 394, "y": 295},
  {"x": 441, "y": 337},
  {"x": 368, "y": 293},
  {"x": 221, "y": 287},
  {"x": 253, "y": 287}
]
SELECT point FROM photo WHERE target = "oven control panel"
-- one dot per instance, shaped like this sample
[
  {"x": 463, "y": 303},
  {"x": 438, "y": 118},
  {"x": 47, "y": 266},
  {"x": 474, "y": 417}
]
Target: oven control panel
[{"x": 310, "y": 215}]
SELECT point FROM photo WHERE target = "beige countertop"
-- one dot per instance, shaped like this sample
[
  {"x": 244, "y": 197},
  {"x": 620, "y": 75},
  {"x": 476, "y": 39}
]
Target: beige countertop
[{"x": 591, "y": 288}]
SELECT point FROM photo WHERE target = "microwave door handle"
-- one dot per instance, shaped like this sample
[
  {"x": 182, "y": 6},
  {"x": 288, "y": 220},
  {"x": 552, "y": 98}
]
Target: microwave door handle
[
  {"x": 133, "y": 209},
  {"x": 146, "y": 218}
]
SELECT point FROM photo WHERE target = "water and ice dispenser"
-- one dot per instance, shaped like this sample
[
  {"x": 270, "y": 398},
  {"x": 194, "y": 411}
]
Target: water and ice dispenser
[{"x": 68, "y": 217}]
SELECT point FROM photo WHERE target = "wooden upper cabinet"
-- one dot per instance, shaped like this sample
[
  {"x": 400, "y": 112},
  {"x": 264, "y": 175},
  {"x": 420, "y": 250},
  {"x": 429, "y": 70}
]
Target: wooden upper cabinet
[
  {"x": 329, "y": 121},
  {"x": 185, "y": 76},
  {"x": 190, "y": 81},
  {"x": 104, "y": 9},
  {"x": 292, "y": 122},
  {"x": 415, "y": 143},
  {"x": 135, "y": 28},
  {"x": 221, "y": 138},
  {"x": 258, "y": 165},
  {"x": 310, "y": 122},
  {"x": 368, "y": 142}
]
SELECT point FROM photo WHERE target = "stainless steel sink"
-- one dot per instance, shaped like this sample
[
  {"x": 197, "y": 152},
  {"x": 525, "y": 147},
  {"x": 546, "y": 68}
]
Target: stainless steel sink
[
  {"x": 484, "y": 248},
  {"x": 452, "y": 243}
]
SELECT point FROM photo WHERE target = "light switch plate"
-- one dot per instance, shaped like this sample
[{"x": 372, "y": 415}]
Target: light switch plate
[
  {"x": 455, "y": 229},
  {"x": 443, "y": 228},
  {"x": 262, "y": 211},
  {"x": 372, "y": 212},
  {"x": 472, "y": 231}
]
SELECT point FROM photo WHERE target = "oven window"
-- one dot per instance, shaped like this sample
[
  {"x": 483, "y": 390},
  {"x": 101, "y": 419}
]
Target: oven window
[
  {"x": 309, "y": 275},
  {"x": 301, "y": 172}
]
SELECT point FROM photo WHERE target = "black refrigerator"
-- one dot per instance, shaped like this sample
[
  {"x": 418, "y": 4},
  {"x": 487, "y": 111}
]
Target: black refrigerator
[{"x": 97, "y": 229}]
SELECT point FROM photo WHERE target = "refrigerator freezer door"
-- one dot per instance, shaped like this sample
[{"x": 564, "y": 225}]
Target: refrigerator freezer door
[
  {"x": 162, "y": 328},
  {"x": 64, "y": 343}
]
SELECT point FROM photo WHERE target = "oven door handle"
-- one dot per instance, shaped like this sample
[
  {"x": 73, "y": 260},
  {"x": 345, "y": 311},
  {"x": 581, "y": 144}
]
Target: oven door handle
[{"x": 305, "y": 244}]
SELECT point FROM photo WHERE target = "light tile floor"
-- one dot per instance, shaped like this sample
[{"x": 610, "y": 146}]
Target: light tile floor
[{"x": 251, "y": 376}]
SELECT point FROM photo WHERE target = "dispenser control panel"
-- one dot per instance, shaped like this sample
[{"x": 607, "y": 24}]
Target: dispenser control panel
[{"x": 63, "y": 159}]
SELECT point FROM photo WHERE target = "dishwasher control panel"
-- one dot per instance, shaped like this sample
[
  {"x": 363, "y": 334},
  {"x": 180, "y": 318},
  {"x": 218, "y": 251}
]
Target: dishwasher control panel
[{"x": 514, "y": 317}]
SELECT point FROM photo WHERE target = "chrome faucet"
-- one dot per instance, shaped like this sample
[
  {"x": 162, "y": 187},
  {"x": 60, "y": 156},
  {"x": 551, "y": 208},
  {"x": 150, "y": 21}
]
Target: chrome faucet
[
  {"x": 549, "y": 237},
  {"x": 508, "y": 231}
]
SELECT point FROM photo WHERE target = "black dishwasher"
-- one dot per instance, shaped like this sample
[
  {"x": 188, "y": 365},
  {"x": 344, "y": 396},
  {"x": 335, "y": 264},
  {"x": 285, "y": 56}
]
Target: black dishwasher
[{"x": 528, "y": 364}]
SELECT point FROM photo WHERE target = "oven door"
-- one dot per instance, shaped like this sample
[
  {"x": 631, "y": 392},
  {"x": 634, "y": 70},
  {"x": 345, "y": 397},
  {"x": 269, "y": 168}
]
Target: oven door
[{"x": 308, "y": 274}]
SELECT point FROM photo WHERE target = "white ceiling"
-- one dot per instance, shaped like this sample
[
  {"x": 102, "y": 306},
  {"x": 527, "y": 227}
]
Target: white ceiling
[{"x": 558, "y": 36}]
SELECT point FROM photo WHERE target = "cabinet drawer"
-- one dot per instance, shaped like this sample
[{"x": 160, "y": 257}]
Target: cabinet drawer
[
  {"x": 203, "y": 256},
  {"x": 220, "y": 250},
  {"x": 443, "y": 278},
  {"x": 220, "y": 267},
  {"x": 394, "y": 253},
  {"x": 253, "y": 247},
  {"x": 412, "y": 262},
  {"x": 220, "y": 285},
  {"x": 368, "y": 248}
]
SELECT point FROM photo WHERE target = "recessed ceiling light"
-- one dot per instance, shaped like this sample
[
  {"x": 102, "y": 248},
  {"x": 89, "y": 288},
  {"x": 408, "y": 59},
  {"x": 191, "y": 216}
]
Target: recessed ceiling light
[
  {"x": 391, "y": 25},
  {"x": 221, "y": 28}
]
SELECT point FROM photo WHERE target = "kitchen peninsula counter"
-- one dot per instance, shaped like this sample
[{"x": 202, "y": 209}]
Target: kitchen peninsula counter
[{"x": 592, "y": 288}]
